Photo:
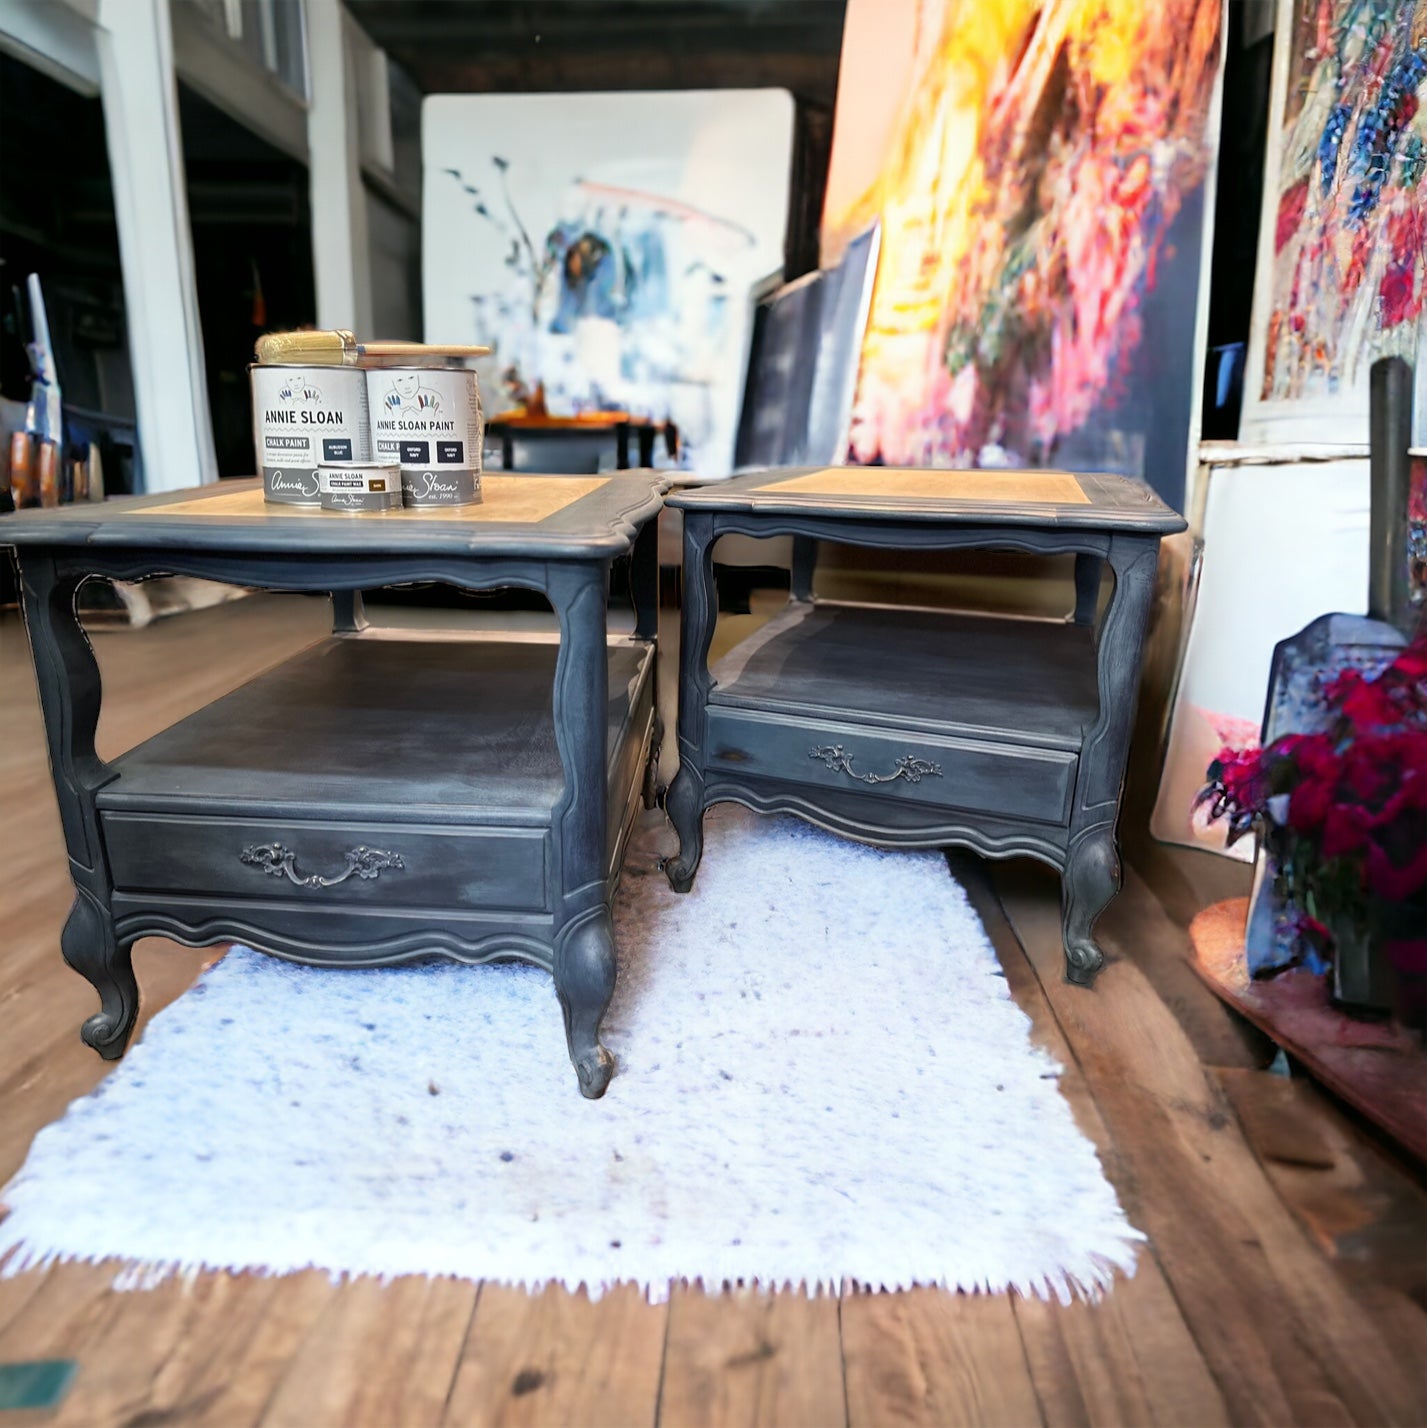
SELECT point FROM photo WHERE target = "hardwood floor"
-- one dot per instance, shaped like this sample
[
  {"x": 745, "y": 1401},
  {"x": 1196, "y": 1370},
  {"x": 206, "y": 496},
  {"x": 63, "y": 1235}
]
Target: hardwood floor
[{"x": 1284, "y": 1280}]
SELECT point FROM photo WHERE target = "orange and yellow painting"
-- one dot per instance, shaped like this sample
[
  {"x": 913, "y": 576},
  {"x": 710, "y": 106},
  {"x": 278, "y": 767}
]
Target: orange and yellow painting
[{"x": 1028, "y": 161}]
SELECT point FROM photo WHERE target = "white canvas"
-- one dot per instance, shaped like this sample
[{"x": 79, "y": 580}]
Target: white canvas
[
  {"x": 605, "y": 244},
  {"x": 1283, "y": 544}
]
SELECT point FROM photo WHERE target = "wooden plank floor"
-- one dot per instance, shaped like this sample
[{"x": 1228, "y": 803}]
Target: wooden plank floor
[{"x": 1284, "y": 1281}]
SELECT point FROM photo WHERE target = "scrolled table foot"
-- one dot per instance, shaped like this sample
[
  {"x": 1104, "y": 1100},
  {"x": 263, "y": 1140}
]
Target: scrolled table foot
[
  {"x": 584, "y": 979},
  {"x": 1083, "y": 961},
  {"x": 594, "y": 1069},
  {"x": 684, "y": 805},
  {"x": 1090, "y": 880},
  {"x": 90, "y": 947}
]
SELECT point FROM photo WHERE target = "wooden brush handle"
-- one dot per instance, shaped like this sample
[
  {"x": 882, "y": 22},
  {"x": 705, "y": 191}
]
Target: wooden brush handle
[
  {"x": 399, "y": 349},
  {"x": 22, "y": 471},
  {"x": 47, "y": 472}
]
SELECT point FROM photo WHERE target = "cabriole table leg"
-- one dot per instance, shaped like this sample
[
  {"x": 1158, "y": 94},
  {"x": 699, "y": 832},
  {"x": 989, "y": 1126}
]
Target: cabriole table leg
[
  {"x": 584, "y": 940},
  {"x": 68, "y": 679},
  {"x": 684, "y": 802},
  {"x": 1092, "y": 871}
]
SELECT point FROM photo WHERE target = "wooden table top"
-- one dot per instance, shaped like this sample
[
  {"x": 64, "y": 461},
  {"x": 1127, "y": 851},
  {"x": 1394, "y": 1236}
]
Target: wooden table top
[
  {"x": 1038, "y": 498},
  {"x": 525, "y": 515}
]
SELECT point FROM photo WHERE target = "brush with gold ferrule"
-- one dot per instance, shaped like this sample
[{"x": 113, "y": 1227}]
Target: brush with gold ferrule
[{"x": 341, "y": 349}]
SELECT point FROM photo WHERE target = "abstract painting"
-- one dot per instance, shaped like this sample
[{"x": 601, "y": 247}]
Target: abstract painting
[
  {"x": 1342, "y": 270},
  {"x": 604, "y": 246},
  {"x": 1041, "y": 188}
]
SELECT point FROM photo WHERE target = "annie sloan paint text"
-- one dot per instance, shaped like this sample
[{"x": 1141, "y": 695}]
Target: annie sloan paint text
[
  {"x": 429, "y": 421},
  {"x": 303, "y": 418}
]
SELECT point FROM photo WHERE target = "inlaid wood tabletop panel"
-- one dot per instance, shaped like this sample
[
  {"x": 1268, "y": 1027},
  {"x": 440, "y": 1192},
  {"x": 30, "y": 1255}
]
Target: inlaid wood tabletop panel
[
  {"x": 1044, "y": 498},
  {"x": 530, "y": 515}
]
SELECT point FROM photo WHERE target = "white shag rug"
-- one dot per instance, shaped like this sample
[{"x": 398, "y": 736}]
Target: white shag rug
[{"x": 821, "y": 1076}]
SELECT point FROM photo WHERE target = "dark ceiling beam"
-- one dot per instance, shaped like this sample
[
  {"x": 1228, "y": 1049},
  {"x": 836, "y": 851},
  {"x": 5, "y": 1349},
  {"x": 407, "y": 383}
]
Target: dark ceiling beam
[
  {"x": 565, "y": 71},
  {"x": 812, "y": 26}
]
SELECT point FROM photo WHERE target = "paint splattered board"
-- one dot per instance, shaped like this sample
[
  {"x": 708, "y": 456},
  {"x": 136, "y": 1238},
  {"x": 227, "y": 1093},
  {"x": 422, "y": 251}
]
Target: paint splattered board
[{"x": 1342, "y": 258}]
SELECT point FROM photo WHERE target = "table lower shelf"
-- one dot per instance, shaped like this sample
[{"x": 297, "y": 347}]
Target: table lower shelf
[
  {"x": 906, "y": 721},
  {"x": 1031, "y": 682},
  {"x": 405, "y": 784},
  {"x": 407, "y": 730}
]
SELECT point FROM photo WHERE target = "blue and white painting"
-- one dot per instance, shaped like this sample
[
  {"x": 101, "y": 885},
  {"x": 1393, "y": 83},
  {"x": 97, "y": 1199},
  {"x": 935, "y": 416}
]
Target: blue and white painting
[{"x": 604, "y": 246}]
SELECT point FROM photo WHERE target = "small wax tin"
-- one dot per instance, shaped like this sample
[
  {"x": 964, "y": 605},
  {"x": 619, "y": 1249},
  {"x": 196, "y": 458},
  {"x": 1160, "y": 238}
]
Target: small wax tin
[
  {"x": 429, "y": 421},
  {"x": 360, "y": 488},
  {"x": 303, "y": 418}
]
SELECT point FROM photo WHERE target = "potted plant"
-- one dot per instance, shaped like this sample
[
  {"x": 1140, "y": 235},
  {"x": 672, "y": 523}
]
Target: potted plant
[{"x": 1343, "y": 816}]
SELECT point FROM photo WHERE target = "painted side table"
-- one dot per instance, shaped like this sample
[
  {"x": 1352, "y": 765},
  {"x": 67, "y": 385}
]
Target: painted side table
[
  {"x": 373, "y": 799},
  {"x": 924, "y": 728}
]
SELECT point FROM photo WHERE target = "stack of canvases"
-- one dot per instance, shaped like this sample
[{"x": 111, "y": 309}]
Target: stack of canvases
[{"x": 1341, "y": 282}]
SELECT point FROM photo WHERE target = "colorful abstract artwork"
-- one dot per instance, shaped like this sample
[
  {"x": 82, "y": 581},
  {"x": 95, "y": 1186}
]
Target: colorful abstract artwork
[
  {"x": 1343, "y": 255},
  {"x": 1040, "y": 194},
  {"x": 604, "y": 246}
]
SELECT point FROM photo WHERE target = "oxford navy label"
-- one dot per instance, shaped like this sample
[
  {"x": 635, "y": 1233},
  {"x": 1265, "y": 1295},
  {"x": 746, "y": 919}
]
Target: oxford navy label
[
  {"x": 415, "y": 451},
  {"x": 450, "y": 453}
]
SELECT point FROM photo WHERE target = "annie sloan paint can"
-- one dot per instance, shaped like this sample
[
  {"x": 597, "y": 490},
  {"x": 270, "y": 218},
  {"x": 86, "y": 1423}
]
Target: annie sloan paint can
[
  {"x": 359, "y": 488},
  {"x": 303, "y": 418},
  {"x": 429, "y": 421}
]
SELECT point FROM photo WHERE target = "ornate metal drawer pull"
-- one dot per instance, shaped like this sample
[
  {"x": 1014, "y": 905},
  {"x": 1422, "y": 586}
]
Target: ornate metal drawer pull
[
  {"x": 914, "y": 770},
  {"x": 362, "y": 862}
]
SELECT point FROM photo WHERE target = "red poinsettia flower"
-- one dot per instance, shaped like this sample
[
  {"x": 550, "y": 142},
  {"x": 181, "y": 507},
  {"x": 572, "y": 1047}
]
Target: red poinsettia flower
[
  {"x": 1392, "y": 881},
  {"x": 1344, "y": 830},
  {"x": 1408, "y": 954},
  {"x": 1341, "y": 685},
  {"x": 1369, "y": 704},
  {"x": 1411, "y": 664},
  {"x": 1309, "y": 805}
]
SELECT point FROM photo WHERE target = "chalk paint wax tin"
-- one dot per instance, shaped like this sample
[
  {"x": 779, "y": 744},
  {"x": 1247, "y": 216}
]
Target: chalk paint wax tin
[
  {"x": 429, "y": 421},
  {"x": 359, "y": 488},
  {"x": 303, "y": 418}
]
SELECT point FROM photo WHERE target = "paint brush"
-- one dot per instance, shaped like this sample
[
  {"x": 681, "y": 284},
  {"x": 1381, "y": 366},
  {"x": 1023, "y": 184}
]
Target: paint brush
[{"x": 341, "y": 349}]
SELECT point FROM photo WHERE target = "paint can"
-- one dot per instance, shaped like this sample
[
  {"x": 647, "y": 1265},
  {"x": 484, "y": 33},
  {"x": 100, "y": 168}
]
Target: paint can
[
  {"x": 303, "y": 418},
  {"x": 359, "y": 488},
  {"x": 429, "y": 421}
]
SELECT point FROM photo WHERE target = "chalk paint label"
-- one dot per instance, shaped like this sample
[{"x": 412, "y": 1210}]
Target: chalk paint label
[
  {"x": 429, "y": 421},
  {"x": 304, "y": 417}
]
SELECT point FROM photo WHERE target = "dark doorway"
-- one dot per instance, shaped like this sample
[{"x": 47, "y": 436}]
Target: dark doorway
[
  {"x": 252, "y": 259},
  {"x": 57, "y": 221}
]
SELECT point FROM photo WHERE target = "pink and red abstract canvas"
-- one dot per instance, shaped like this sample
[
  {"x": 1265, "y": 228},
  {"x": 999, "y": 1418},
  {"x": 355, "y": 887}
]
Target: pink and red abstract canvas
[{"x": 1039, "y": 179}]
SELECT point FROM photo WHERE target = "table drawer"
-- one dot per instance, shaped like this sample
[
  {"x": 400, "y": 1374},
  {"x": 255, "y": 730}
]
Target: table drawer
[
  {"x": 393, "y": 865},
  {"x": 1009, "y": 780}
]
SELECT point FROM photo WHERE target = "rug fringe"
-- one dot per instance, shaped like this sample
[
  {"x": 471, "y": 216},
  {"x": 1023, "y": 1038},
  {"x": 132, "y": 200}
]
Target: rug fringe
[{"x": 1064, "y": 1287}]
